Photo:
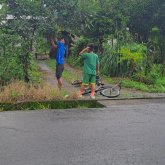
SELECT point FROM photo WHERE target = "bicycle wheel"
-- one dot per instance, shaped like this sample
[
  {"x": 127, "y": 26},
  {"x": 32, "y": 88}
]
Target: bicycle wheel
[{"x": 110, "y": 92}]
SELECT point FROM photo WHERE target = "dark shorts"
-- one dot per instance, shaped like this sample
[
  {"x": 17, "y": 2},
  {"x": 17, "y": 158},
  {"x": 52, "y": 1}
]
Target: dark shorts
[{"x": 59, "y": 70}]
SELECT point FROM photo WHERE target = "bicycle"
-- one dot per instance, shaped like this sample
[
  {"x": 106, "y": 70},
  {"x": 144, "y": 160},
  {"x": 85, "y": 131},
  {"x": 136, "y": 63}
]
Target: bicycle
[
  {"x": 109, "y": 91},
  {"x": 77, "y": 82}
]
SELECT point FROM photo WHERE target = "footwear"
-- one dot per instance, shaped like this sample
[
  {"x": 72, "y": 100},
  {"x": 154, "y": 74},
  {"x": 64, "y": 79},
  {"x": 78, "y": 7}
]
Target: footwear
[
  {"x": 80, "y": 95},
  {"x": 92, "y": 97}
]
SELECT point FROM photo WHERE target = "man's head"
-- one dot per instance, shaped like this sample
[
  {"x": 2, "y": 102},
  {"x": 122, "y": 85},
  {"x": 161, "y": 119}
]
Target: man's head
[
  {"x": 91, "y": 47},
  {"x": 62, "y": 39}
]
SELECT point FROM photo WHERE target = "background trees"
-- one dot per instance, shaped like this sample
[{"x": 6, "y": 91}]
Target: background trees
[{"x": 122, "y": 31}]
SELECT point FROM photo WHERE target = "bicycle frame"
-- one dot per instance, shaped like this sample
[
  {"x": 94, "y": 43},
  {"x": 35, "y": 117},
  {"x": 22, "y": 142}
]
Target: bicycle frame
[{"x": 102, "y": 87}]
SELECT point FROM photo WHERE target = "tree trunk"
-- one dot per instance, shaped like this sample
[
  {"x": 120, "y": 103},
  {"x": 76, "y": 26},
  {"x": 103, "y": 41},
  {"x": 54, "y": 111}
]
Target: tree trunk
[{"x": 25, "y": 67}]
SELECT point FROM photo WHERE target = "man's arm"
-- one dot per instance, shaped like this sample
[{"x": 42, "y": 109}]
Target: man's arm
[
  {"x": 84, "y": 50},
  {"x": 53, "y": 44},
  {"x": 97, "y": 66}
]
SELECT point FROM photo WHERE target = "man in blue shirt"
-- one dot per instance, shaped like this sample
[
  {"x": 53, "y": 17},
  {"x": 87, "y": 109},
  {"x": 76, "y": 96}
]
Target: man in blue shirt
[{"x": 59, "y": 59}]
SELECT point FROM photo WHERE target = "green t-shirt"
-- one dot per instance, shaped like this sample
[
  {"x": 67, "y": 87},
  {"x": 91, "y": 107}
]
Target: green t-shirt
[{"x": 90, "y": 61}]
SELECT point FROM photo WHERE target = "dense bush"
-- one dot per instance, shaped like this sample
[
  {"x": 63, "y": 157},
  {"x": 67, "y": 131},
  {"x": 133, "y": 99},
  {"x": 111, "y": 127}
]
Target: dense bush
[
  {"x": 151, "y": 77},
  {"x": 15, "y": 60},
  {"x": 124, "y": 60},
  {"x": 109, "y": 61},
  {"x": 41, "y": 45},
  {"x": 79, "y": 45}
]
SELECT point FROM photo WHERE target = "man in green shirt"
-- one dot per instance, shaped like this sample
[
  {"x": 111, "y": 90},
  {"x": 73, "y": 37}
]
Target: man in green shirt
[{"x": 90, "y": 69}]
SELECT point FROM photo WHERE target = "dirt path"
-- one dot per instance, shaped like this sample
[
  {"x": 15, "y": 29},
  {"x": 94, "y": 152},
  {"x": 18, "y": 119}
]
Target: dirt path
[{"x": 49, "y": 77}]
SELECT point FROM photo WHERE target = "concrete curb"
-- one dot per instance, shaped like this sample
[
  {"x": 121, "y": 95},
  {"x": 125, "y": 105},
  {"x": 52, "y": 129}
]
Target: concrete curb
[{"x": 131, "y": 98}]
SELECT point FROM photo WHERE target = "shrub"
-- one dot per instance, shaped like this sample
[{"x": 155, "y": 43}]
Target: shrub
[
  {"x": 41, "y": 45},
  {"x": 140, "y": 77},
  {"x": 109, "y": 61},
  {"x": 155, "y": 73},
  {"x": 150, "y": 77},
  {"x": 133, "y": 55},
  {"x": 122, "y": 60},
  {"x": 79, "y": 45}
]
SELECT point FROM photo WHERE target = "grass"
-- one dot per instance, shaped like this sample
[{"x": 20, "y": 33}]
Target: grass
[
  {"x": 61, "y": 104},
  {"x": 24, "y": 96},
  {"x": 51, "y": 63},
  {"x": 158, "y": 87},
  {"x": 155, "y": 88},
  {"x": 67, "y": 75},
  {"x": 19, "y": 91}
]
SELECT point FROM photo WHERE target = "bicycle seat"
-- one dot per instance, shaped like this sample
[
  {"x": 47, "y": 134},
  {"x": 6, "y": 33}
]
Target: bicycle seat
[{"x": 100, "y": 83}]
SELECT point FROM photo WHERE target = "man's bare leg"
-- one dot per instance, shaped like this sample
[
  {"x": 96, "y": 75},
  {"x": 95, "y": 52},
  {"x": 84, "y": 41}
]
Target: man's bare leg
[
  {"x": 82, "y": 89},
  {"x": 92, "y": 95},
  {"x": 92, "y": 89},
  {"x": 60, "y": 82}
]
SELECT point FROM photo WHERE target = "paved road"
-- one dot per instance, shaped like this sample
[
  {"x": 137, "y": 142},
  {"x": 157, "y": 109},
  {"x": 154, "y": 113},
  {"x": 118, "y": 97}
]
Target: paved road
[{"x": 117, "y": 135}]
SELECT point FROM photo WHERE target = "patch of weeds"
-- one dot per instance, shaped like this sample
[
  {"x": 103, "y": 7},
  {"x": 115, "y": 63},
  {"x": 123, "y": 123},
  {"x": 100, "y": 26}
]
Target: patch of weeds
[
  {"x": 135, "y": 85},
  {"x": 66, "y": 104},
  {"x": 69, "y": 76},
  {"x": 1, "y": 109},
  {"x": 51, "y": 63},
  {"x": 14, "y": 94}
]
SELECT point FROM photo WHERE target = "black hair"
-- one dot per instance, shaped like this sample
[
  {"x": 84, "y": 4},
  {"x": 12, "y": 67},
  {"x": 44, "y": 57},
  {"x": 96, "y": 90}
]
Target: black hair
[
  {"x": 60, "y": 38},
  {"x": 91, "y": 47}
]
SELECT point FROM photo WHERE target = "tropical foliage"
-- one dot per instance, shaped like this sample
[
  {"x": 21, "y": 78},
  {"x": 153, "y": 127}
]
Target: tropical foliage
[{"x": 129, "y": 35}]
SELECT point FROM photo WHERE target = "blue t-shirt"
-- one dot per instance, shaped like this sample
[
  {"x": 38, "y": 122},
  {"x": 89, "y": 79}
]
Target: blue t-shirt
[{"x": 60, "y": 53}]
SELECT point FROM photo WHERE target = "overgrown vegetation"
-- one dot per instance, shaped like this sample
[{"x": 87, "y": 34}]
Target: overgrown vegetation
[
  {"x": 19, "y": 91},
  {"x": 60, "y": 104},
  {"x": 129, "y": 37}
]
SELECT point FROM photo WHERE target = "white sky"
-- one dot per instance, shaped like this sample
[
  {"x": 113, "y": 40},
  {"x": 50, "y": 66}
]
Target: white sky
[{"x": 0, "y": 6}]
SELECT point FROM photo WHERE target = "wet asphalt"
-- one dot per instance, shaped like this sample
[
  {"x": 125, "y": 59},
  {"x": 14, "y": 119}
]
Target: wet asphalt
[{"x": 123, "y": 134}]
